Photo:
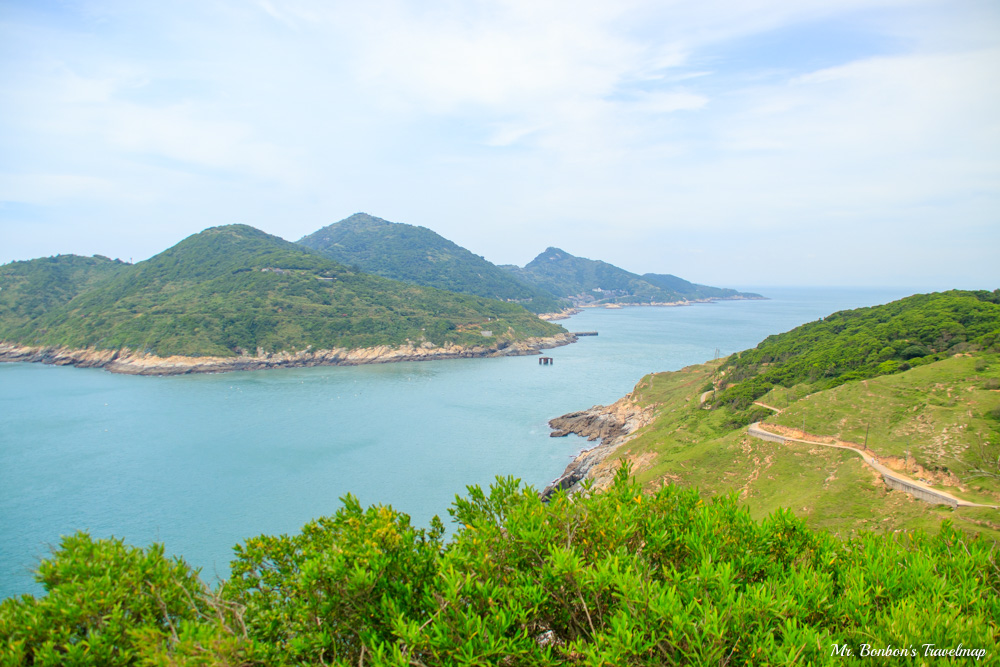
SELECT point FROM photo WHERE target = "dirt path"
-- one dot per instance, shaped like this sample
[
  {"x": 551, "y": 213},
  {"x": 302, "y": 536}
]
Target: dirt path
[
  {"x": 756, "y": 430},
  {"x": 769, "y": 407}
]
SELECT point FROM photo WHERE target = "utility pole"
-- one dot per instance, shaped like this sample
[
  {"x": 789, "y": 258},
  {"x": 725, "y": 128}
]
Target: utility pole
[
  {"x": 715, "y": 373},
  {"x": 866, "y": 432}
]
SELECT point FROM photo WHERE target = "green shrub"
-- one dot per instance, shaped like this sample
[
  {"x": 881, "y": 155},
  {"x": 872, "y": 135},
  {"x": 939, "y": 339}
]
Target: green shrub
[
  {"x": 111, "y": 604},
  {"x": 888, "y": 367},
  {"x": 337, "y": 587},
  {"x": 914, "y": 351},
  {"x": 612, "y": 578}
]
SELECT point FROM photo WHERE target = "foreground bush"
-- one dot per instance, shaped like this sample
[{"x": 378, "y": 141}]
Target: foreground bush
[
  {"x": 617, "y": 578},
  {"x": 111, "y": 604}
]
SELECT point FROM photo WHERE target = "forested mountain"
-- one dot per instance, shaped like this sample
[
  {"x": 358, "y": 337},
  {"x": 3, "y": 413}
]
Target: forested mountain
[
  {"x": 30, "y": 289},
  {"x": 235, "y": 288},
  {"x": 420, "y": 256},
  {"x": 592, "y": 281}
]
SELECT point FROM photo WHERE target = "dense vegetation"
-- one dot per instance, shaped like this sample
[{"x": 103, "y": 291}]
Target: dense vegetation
[
  {"x": 864, "y": 343},
  {"x": 618, "y": 578},
  {"x": 28, "y": 290},
  {"x": 590, "y": 281},
  {"x": 420, "y": 256},
  {"x": 235, "y": 288}
]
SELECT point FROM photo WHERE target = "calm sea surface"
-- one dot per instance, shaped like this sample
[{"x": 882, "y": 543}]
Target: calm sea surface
[{"x": 202, "y": 462}]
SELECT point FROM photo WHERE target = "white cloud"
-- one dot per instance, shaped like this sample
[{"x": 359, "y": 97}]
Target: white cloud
[
  {"x": 31, "y": 188},
  {"x": 517, "y": 55},
  {"x": 667, "y": 102},
  {"x": 506, "y": 134}
]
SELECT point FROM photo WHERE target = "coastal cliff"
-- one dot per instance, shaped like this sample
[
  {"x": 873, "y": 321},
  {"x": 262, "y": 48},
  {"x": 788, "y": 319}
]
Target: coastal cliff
[
  {"x": 127, "y": 362},
  {"x": 612, "y": 424}
]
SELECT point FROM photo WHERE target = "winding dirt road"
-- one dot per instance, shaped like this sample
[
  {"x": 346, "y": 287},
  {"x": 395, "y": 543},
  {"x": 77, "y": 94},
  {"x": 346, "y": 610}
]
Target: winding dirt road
[{"x": 917, "y": 489}]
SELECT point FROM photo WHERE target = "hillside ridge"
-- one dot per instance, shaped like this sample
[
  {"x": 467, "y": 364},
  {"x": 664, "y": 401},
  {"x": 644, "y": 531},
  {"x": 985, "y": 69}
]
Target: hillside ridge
[
  {"x": 588, "y": 282},
  {"x": 235, "y": 291},
  {"x": 935, "y": 420},
  {"x": 418, "y": 255}
]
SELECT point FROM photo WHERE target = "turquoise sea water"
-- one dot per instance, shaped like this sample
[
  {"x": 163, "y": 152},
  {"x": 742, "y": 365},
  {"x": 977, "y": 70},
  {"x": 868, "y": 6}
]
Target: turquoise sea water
[{"x": 202, "y": 462}]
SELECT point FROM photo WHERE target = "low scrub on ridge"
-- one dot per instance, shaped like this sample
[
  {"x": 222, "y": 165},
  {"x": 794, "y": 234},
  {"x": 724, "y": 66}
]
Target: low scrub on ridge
[
  {"x": 617, "y": 578},
  {"x": 864, "y": 343}
]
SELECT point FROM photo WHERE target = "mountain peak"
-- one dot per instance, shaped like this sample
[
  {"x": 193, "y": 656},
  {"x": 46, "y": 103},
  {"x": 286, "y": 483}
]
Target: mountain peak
[
  {"x": 362, "y": 218},
  {"x": 552, "y": 253},
  {"x": 420, "y": 256}
]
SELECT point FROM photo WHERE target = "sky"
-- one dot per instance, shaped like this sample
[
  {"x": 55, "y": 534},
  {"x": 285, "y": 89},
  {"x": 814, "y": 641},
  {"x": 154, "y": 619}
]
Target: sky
[{"x": 734, "y": 143}]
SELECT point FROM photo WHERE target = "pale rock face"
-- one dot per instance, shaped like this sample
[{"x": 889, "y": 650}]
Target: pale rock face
[
  {"x": 127, "y": 362},
  {"x": 613, "y": 424}
]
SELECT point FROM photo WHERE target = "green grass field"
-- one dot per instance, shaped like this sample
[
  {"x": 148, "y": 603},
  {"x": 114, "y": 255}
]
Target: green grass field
[
  {"x": 939, "y": 413},
  {"x": 935, "y": 419}
]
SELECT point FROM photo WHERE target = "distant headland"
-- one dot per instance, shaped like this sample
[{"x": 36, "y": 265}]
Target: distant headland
[{"x": 362, "y": 290}]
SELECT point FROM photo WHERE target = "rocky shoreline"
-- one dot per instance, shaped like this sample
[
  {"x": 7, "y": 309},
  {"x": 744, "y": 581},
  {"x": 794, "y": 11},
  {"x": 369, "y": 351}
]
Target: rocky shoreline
[
  {"x": 670, "y": 304},
  {"x": 128, "y": 362},
  {"x": 612, "y": 424},
  {"x": 561, "y": 315},
  {"x": 579, "y": 306}
]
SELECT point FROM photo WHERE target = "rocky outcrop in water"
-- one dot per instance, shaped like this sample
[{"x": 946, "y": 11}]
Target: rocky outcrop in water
[
  {"x": 612, "y": 424},
  {"x": 127, "y": 362}
]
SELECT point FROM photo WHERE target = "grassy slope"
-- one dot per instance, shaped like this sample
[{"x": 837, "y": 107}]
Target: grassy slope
[
  {"x": 830, "y": 489},
  {"x": 865, "y": 343},
  {"x": 217, "y": 292},
  {"x": 939, "y": 413}
]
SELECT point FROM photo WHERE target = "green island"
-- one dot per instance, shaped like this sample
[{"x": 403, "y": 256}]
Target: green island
[
  {"x": 589, "y": 282},
  {"x": 550, "y": 283},
  {"x": 235, "y": 290},
  {"x": 691, "y": 543},
  {"x": 362, "y": 290}
]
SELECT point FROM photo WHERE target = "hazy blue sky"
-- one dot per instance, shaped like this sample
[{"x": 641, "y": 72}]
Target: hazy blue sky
[{"x": 731, "y": 142}]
